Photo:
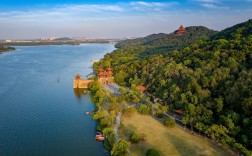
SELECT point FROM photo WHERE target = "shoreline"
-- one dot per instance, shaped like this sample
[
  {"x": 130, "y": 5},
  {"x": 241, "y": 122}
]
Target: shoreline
[
  {"x": 7, "y": 49},
  {"x": 45, "y": 43}
]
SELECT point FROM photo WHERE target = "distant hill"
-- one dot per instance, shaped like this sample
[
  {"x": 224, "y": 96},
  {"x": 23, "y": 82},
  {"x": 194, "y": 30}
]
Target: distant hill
[
  {"x": 192, "y": 34},
  {"x": 63, "y": 39},
  {"x": 242, "y": 30}
]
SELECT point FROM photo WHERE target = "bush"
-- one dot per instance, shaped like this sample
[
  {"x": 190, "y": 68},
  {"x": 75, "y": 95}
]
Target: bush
[
  {"x": 169, "y": 122},
  {"x": 121, "y": 98},
  {"x": 105, "y": 122},
  {"x": 114, "y": 107},
  {"x": 152, "y": 152},
  {"x": 120, "y": 148},
  {"x": 107, "y": 145},
  {"x": 112, "y": 139},
  {"x": 99, "y": 127},
  {"x": 135, "y": 138},
  {"x": 144, "y": 109},
  {"x": 130, "y": 111},
  {"x": 160, "y": 115}
]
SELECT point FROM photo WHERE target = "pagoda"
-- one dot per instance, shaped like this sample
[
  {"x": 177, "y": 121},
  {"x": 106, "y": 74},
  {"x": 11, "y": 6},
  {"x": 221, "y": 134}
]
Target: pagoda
[
  {"x": 105, "y": 76},
  {"x": 100, "y": 73},
  {"x": 109, "y": 72},
  {"x": 181, "y": 30},
  {"x": 104, "y": 73},
  {"x": 77, "y": 76}
]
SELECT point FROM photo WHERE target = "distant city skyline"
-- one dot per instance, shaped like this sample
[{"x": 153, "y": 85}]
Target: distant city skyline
[{"x": 115, "y": 19}]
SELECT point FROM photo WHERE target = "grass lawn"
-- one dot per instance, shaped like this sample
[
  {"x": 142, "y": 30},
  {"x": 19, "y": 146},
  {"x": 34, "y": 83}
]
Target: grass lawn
[{"x": 169, "y": 141}]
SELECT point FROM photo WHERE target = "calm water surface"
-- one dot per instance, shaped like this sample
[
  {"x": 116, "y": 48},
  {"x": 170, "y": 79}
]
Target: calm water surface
[{"x": 39, "y": 112}]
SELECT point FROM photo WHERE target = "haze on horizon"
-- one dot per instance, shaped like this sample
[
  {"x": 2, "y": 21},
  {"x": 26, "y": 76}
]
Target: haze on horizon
[{"x": 115, "y": 19}]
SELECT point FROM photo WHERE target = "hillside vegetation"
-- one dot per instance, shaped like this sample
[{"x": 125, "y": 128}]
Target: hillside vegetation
[
  {"x": 171, "y": 40},
  {"x": 210, "y": 80},
  {"x": 4, "y": 49}
]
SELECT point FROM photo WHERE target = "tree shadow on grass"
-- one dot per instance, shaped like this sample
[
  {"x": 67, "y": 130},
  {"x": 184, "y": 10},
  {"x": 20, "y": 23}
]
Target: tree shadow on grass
[
  {"x": 184, "y": 148},
  {"x": 141, "y": 148},
  {"x": 125, "y": 131}
]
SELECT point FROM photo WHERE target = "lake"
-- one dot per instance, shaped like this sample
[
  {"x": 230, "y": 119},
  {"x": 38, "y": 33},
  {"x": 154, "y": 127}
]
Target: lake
[{"x": 40, "y": 113}]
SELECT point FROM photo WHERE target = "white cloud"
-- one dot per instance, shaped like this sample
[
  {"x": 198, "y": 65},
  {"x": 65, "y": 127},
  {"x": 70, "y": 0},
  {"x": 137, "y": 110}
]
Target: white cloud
[
  {"x": 219, "y": 1},
  {"x": 61, "y": 12},
  {"x": 92, "y": 8},
  {"x": 214, "y": 6},
  {"x": 148, "y": 4},
  {"x": 207, "y": 1},
  {"x": 155, "y": 6}
]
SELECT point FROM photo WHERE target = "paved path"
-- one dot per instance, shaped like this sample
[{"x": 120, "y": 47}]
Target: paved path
[
  {"x": 113, "y": 88},
  {"x": 172, "y": 117},
  {"x": 117, "y": 125}
]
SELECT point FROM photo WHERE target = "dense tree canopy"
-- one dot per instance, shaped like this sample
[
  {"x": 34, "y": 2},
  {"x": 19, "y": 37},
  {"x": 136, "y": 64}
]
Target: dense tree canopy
[
  {"x": 120, "y": 148},
  {"x": 210, "y": 80},
  {"x": 171, "y": 40}
]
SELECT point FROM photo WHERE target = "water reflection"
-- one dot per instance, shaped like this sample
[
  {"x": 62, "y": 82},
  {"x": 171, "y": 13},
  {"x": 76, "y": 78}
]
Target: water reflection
[
  {"x": 48, "y": 120},
  {"x": 79, "y": 92}
]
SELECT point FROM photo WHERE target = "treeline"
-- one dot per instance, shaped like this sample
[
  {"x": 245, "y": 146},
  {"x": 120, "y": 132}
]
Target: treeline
[
  {"x": 171, "y": 40},
  {"x": 42, "y": 43},
  {"x": 210, "y": 80},
  {"x": 5, "y": 48},
  {"x": 105, "y": 120}
]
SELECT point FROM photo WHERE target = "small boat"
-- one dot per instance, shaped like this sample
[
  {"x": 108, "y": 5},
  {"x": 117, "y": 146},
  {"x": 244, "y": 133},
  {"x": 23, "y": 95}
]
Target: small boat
[
  {"x": 100, "y": 138},
  {"x": 88, "y": 113}
]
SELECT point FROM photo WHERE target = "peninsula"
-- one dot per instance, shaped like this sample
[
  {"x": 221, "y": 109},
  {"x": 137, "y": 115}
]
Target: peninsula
[
  {"x": 103, "y": 77},
  {"x": 197, "y": 81},
  {"x": 5, "y": 49}
]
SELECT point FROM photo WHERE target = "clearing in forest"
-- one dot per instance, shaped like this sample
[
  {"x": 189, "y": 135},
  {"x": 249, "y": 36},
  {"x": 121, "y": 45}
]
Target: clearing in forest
[{"x": 169, "y": 141}]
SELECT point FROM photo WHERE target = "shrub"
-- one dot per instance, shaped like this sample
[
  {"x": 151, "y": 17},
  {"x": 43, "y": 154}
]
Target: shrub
[
  {"x": 130, "y": 111},
  {"x": 120, "y": 148},
  {"x": 107, "y": 145},
  {"x": 112, "y": 138},
  {"x": 107, "y": 131},
  {"x": 152, "y": 152},
  {"x": 114, "y": 107},
  {"x": 169, "y": 122},
  {"x": 144, "y": 109},
  {"x": 105, "y": 122},
  {"x": 135, "y": 138},
  {"x": 160, "y": 115},
  {"x": 99, "y": 127}
]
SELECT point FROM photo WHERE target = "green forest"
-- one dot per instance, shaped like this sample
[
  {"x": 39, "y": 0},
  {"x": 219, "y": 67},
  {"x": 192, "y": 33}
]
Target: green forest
[
  {"x": 171, "y": 40},
  {"x": 205, "y": 73}
]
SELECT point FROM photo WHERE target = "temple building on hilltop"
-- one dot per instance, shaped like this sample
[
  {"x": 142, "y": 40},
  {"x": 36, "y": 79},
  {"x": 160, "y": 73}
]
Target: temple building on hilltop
[
  {"x": 103, "y": 76},
  {"x": 181, "y": 30}
]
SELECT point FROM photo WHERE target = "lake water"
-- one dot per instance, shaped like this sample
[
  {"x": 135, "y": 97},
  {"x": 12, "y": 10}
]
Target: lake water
[{"x": 39, "y": 112}]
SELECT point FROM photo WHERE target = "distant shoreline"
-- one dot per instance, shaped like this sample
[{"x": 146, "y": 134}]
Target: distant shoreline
[
  {"x": 44, "y": 43},
  {"x": 4, "y": 49}
]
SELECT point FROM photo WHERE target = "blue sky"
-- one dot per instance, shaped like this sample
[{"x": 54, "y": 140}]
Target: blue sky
[{"x": 24, "y": 19}]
